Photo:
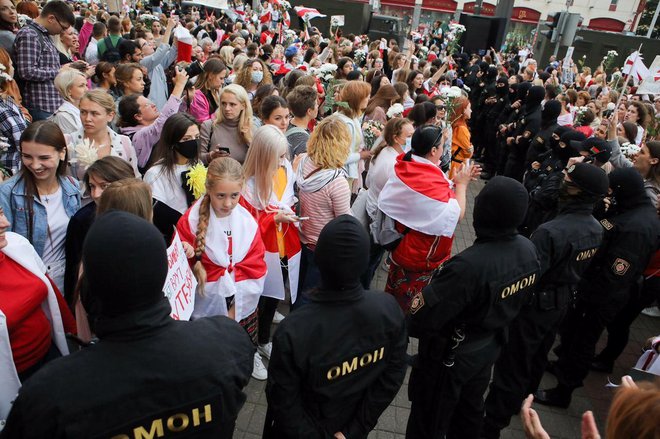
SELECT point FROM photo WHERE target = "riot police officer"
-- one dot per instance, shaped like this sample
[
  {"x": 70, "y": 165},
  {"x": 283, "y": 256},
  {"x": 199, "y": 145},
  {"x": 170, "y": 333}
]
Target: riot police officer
[
  {"x": 526, "y": 128},
  {"x": 460, "y": 318},
  {"x": 631, "y": 230},
  {"x": 566, "y": 245},
  {"x": 339, "y": 361},
  {"x": 148, "y": 374}
]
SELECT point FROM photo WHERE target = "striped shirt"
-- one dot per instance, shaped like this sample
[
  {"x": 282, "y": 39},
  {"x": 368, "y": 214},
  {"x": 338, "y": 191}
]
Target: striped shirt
[
  {"x": 37, "y": 64},
  {"x": 322, "y": 206}
]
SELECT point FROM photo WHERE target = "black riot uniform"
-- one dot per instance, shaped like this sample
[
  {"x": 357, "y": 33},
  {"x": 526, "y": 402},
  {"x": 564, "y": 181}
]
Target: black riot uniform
[
  {"x": 631, "y": 236},
  {"x": 540, "y": 142},
  {"x": 566, "y": 247},
  {"x": 149, "y": 375},
  {"x": 525, "y": 129},
  {"x": 461, "y": 317},
  {"x": 337, "y": 362}
]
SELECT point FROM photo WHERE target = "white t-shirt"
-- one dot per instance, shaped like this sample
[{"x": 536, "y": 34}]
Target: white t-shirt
[
  {"x": 379, "y": 172},
  {"x": 168, "y": 188},
  {"x": 58, "y": 222}
]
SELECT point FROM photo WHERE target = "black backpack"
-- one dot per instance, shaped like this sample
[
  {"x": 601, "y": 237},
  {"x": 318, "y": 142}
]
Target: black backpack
[{"x": 111, "y": 53}]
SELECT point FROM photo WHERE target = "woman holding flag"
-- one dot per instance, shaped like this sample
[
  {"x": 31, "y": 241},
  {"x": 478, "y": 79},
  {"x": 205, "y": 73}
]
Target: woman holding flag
[
  {"x": 427, "y": 231},
  {"x": 268, "y": 195}
]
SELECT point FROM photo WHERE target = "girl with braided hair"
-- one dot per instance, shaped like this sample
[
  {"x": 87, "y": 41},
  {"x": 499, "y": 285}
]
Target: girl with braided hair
[{"x": 226, "y": 253}]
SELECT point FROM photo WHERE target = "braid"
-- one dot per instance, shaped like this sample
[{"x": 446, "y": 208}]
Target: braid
[{"x": 200, "y": 243}]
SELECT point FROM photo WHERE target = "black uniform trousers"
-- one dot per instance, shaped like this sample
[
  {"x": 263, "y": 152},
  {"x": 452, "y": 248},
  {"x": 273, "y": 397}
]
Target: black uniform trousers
[
  {"x": 618, "y": 331},
  {"x": 448, "y": 401},
  {"x": 580, "y": 333},
  {"x": 519, "y": 368}
]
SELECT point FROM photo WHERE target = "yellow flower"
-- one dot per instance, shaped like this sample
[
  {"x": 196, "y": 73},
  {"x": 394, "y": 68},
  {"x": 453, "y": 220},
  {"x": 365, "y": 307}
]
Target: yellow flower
[{"x": 196, "y": 180}]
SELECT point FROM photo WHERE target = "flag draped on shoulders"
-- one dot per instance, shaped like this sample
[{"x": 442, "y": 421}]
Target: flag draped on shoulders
[
  {"x": 233, "y": 260},
  {"x": 419, "y": 196}
]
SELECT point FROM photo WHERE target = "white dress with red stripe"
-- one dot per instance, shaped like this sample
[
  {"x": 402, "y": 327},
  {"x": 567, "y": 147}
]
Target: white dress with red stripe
[
  {"x": 274, "y": 286},
  {"x": 233, "y": 260}
]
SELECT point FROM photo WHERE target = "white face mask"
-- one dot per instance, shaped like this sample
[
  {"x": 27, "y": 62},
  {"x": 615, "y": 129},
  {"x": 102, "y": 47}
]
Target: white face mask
[
  {"x": 444, "y": 90},
  {"x": 407, "y": 145}
]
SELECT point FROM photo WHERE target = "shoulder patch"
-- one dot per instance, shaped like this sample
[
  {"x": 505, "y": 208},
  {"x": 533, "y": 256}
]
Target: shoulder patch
[
  {"x": 540, "y": 140},
  {"x": 417, "y": 303},
  {"x": 607, "y": 225},
  {"x": 620, "y": 266}
]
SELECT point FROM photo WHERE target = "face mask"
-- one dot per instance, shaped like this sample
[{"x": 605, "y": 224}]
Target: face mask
[
  {"x": 444, "y": 89},
  {"x": 257, "y": 77},
  {"x": 188, "y": 149},
  {"x": 407, "y": 146}
]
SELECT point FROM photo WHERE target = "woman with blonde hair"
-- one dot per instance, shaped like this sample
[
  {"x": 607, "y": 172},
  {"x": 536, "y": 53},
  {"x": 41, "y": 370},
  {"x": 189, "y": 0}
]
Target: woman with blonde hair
[
  {"x": 207, "y": 90},
  {"x": 269, "y": 196},
  {"x": 461, "y": 145},
  {"x": 355, "y": 95},
  {"x": 224, "y": 247},
  {"x": 230, "y": 134},
  {"x": 227, "y": 55},
  {"x": 72, "y": 86},
  {"x": 95, "y": 139},
  {"x": 323, "y": 191},
  {"x": 253, "y": 75}
]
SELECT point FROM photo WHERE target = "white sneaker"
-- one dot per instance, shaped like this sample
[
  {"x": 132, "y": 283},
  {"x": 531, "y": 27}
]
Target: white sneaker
[
  {"x": 277, "y": 319},
  {"x": 652, "y": 311},
  {"x": 259, "y": 371},
  {"x": 265, "y": 349}
]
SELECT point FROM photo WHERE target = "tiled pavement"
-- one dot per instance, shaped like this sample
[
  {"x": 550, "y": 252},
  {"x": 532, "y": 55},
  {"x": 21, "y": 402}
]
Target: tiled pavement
[{"x": 559, "y": 423}]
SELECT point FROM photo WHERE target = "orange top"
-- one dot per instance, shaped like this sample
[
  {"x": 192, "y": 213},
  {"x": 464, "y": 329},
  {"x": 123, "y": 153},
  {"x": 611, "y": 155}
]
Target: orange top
[{"x": 461, "y": 147}]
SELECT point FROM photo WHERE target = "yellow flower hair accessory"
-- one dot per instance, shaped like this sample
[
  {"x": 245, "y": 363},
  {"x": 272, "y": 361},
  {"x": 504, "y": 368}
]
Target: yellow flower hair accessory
[{"x": 196, "y": 180}]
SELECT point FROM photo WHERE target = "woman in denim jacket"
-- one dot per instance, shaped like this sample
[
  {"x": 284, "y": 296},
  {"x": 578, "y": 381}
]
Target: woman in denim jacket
[{"x": 40, "y": 199}]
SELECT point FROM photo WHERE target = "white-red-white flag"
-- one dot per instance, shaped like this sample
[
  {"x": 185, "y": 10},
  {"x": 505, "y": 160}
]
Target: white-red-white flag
[
  {"x": 308, "y": 13},
  {"x": 634, "y": 66}
]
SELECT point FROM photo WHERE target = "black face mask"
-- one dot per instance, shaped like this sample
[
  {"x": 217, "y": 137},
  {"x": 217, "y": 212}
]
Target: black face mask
[
  {"x": 576, "y": 195},
  {"x": 188, "y": 149}
]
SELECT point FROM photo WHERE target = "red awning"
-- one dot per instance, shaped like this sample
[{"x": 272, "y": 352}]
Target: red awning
[
  {"x": 400, "y": 3},
  {"x": 525, "y": 15},
  {"x": 606, "y": 24},
  {"x": 486, "y": 8},
  {"x": 439, "y": 5}
]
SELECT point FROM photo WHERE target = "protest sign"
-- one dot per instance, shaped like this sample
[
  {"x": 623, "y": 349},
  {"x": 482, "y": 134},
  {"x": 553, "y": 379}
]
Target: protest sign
[{"x": 180, "y": 284}]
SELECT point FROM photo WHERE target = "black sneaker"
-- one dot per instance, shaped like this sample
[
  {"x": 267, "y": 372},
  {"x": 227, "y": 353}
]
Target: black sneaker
[{"x": 557, "y": 397}]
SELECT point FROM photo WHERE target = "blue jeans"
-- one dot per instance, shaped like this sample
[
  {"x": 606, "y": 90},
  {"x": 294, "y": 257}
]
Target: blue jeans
[{"x": 38, "y": 114}]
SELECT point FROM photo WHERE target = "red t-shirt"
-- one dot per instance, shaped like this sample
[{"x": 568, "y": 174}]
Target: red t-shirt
[{"x": 21, "y": 296}]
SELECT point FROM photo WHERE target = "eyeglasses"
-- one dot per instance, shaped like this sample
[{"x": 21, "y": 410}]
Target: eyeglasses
[
  {"x": 64, "y": 29},
  {"x": 440, "y": 107}
]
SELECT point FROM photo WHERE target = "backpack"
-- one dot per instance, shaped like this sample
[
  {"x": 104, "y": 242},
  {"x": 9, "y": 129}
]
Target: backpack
[{"x": 111, "y": 53}]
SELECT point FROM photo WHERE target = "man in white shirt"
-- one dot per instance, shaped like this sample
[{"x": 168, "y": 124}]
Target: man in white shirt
[{"x": 98, "y": 33}]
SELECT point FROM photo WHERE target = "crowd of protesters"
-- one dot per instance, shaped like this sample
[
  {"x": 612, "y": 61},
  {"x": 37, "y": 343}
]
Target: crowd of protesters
[{"x": 292, "y": 165}]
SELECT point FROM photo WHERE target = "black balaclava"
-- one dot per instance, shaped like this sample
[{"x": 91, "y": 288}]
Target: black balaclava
[
  {"x": 534, "y": 97},
  {"x": 523, "y": 88},
  {"x": 491, "y": 73},
  {"x": 589, "y": 179},
  {"x": 125, "y": 265},
  {"x": 513, "y": 92},
  {"x": 483, "y": 66},
  {"x": 502, "y": 87},
  {"x": 560, "y": 130},
  {"x": 627, "y": 187},
  {"x": 568, "y": 151},
  {"x": 550, "y": 113},
  {"x": 500, "y": 207},
  {"x": 342, "y": 253}
]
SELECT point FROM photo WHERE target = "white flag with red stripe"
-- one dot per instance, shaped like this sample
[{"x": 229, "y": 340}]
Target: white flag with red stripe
[
  {"x": 419, "y": 196},
  {"x": 634, "y": 66},
  {"x": 266, "y": 15},
  {"x": 308, "y": 13},
  {"x": 233, "y": 260},
  {"x": 651, "y": 84}
]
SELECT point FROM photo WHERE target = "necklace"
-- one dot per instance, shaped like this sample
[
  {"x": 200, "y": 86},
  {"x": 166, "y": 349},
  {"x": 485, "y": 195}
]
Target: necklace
[{"x": 48, "y": 193}]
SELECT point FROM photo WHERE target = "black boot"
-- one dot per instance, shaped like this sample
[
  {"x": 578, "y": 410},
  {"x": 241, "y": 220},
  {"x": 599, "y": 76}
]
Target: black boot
[{"x": 557, "y": 397}]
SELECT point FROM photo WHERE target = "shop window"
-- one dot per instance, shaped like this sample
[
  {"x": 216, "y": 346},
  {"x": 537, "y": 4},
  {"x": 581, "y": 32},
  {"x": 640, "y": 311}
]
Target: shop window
[{"x": 613, "y": 4}]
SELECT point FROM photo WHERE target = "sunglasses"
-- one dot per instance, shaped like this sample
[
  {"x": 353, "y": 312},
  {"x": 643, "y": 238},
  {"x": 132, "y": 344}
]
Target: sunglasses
[{"x": 440, "y": 107}]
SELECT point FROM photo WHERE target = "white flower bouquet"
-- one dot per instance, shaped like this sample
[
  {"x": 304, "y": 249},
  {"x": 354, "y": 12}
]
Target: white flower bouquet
[{"x": 395, "y": 110}]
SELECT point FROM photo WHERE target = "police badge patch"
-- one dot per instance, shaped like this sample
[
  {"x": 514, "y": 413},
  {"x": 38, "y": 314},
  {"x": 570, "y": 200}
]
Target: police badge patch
[
  {"x": 620, "y": 266},
  {"x": 417, "y": 303},
  {"x": 607, "y": 225}
]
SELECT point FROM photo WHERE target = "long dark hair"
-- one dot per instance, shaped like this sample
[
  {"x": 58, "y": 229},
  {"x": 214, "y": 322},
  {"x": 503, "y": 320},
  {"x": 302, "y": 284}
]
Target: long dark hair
[
  {"x": 174, "y": 129},
  {"x": 45, "y": 133}
]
